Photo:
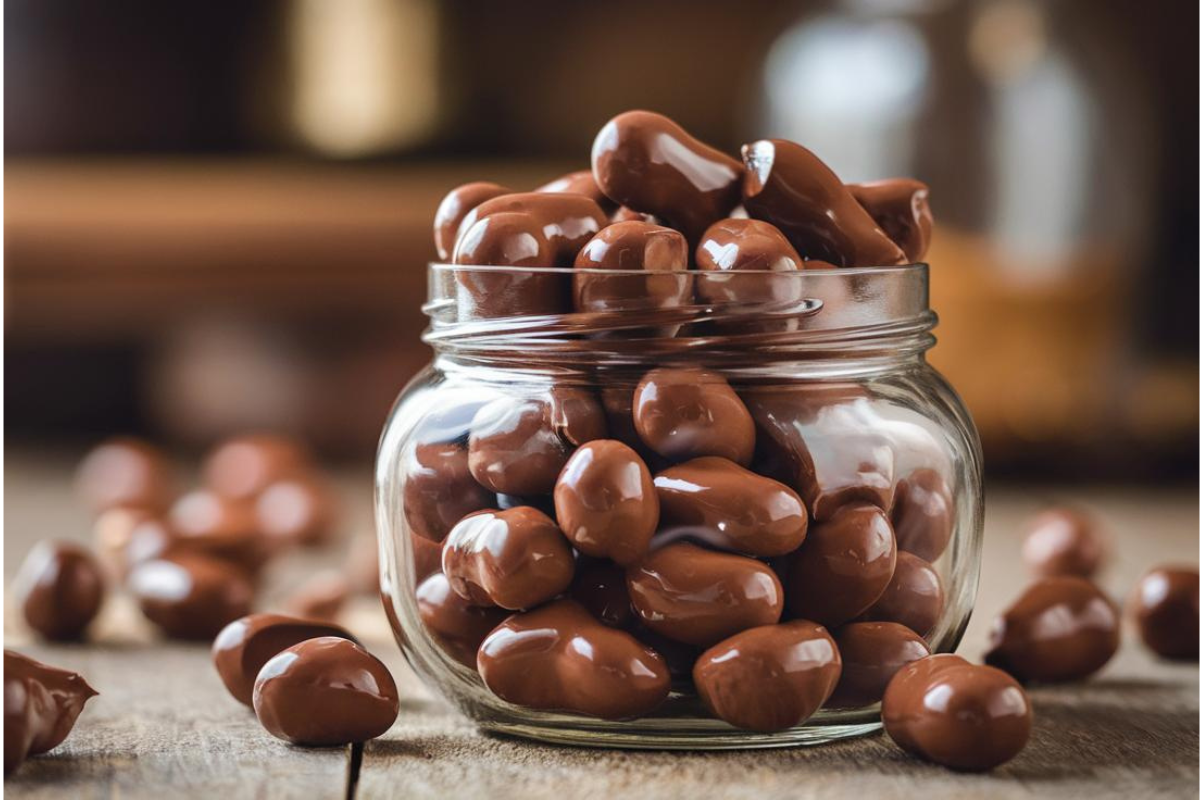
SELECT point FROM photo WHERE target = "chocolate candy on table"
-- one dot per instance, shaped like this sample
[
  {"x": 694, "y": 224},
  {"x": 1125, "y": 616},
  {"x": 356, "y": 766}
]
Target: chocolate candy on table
[
  {"x": 60, "y": 589},
  {"x": 913, "y": 597},
  {"x": 1063, "y": 541},
  {"x": 111, "y": 533},
  {"x": 960, "y": 715},
  {"x": 580, "y": 182},
  {"x": 41, "y": 704},
  {"x": 439, "y": 489},
  {"x": 686, "y": 412},
  {"x": 647, "y": 162},
  {"x": 1166, "y": 607},
  {"x": 729, "y": 507},
  {"x": 325, "y": 692},
  {"x": 457, "y": 626},
  {"x": 576, "y": 415},
  {"x": 796, "y": 192},
  {"x": 1060, "y": 629},
  {"x": 732, "y": 246},
  {"x": 606, "y": 503},
  {"x": 599, "y": 586},
  {"x": 844, "y": 566},
  {"x": 514, "y": 448},
  {"x": 243, "y": 467},
  {"x": 244, "y": 645},
  {"x": 297, "y": 510},
  {"x": 514, "y": 559},
  {"x": 321, "y": 596},
  {"x": 923, "y": 514},
  {"x": 125, "y": 472},
  {"x": 204, "y": 521},
  {"x": 900, "y": 206},
  {"x": 454, "y": 208},
  {"x": 872, "y": 652},
  {"x": 771, "y": 677},
  {"x": 558, "y": 657},
  {"x": 699, "y": 597},
  {"x": 190, "y": 596}
]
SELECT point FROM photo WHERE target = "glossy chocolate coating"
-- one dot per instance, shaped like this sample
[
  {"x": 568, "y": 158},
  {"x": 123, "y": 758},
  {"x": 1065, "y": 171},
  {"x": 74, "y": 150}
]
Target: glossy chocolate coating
[
  {"x": 746, "y": 245},
  {"x": 771, "y": 677},
  {"x": 454, "y": 207},
  {"x": 872, "y": 652},
  {"x": 243, "y": 467},
  {"x": 321, "y": 596},
  {"x": 580, "y": 182},
  {"x": 605, "y": 502},
  {"x": 617, "y": 402},
  {"x": 457, "y": 626},
  {"x": 514, "y": 559},
  {"x": 599, "y": 586},
  {"x": 647, "y": 162},
  {"x": 728, "y": 506},
  {"x": 900, "y": 207},
  {"x": 913, "y": 596},
  {"x": 844, "y": 566},
  {"x": 514, "y": 448},
  {"x": 699, "y": 597},
  {"x": 426, "y": 558},
  {"x": 439, "y": 489},
  {"x": 685, "y": 412},
  {"x": 633, "y": 246},
  {"x": 1166, "y": 606},
  {"x": 576, "y": 415},
  {"x": 796, "y": 192},
  {"x": 923, "y": 514},
  {"x": 1063, "y": 541},
  {"x": 1059, "y": 629},
  {"x": 558, "y": 657},
  {"x": 190, "y": 596},
  {"x": 957, "y": 714},
  {"x": 209, "y": 523},
  {"x": 60, "y": 588},
  {"x": 325, "y": 692},
  {"x": 125, "y": 472},
  {"x": 41, "y": 704},
  {"x": 244, "y": 645},
  {"x": 296, "y": 511}
]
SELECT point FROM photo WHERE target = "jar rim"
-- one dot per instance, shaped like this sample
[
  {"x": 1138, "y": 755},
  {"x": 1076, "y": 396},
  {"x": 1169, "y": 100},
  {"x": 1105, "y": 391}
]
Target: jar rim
[{"x": 916, "y": 267}]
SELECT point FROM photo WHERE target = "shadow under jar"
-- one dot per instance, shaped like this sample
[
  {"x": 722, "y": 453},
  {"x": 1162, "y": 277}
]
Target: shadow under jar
[{"x": 658, "y": 541}]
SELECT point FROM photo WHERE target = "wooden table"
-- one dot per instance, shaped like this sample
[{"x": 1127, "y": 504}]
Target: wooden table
[{"x": 163, "y": 726}]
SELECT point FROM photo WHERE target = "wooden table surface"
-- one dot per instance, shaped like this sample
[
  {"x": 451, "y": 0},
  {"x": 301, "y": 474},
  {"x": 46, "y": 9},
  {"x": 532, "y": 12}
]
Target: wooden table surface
[{"x": 163, "y": 726}]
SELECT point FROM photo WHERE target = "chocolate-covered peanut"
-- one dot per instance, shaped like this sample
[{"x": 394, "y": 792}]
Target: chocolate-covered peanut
[
  {"x": 728, "y": 506},
  {"x": 661, "y": 253},
  {"x": 769, "y": 678},
  {"x": 699, "y": 597},
  {"x": 732, "y": 246},
  {"x": 190, "y": 596},
  {"x": 457, "y": 626},
  {"x": 298, "y": 510},
  {"x": 125, "y": 472},
  {"x": 686, "y": 412},
  {"x": 558, "y": 657},
  {"x": 41, "y": 704},
  {"x": 204, "y": 521},
  {"x": 923, "y": 514},
  {"x": 581, "y": 182},
  {"x": 439, "y": 489},
  {"x": 647, "y": 162},
  {"x": 913, "y": 596},
  {"x": 514, "y": 559},
  {"x": 454, "y": 208},
  {"x": 60, "y": 588},
  {"x": 599, "y": 586},
  {"x": 1063, "y": 541},
  {"x": 872, "y": 652},
  {"x": 900, "y": 207},
  {"x": 243, "y": 467},
  {"x": 1166, "y": 607},
  {"x": 514, "y": 448},
  {"x": 1060, "y": 629},
  {"x": 576, "y": 415},
  {"x": 605, "y": 502}
]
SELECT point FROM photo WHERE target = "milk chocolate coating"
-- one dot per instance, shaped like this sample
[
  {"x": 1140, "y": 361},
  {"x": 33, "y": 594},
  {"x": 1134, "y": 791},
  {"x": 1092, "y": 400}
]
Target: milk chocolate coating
[
  {"x": 580, "y": 182},
  {"x": 844, "y": 566},
  {"x": 923, "y": 514},
  {"x": 60, "y": 589},
  {"x": 296, "y": 511},
  {"x": 426, "y": 558},
  {"x": 514, "y": 448},
  {"x": 190, "y": 596},
  {"x": 322, "y": 596},
  {"x": 41, "y": 704},
  {"x": 957, "y": 714},
  {"x": 872, "y": 652},
  {"x": 796, "y": 192},
  {"x": 1166, "y": 605},
  {"x": 599, "y": 586},
  {"x": 617, "y": 402},
  {"x": 244, "y": 645},
  {"x": 439, "y": 489},
  {"x": 454, "y": 208},
  {"x": 627, "y": 214},
  {"x": 217, "y": 526},
  {"x": 913, "y": 596},
  {"x": 125, "y": 472},
  {"x": 514, "y": 559},
  {"x": 576, "y": 415},
  {"x": 325, "y": 692},
  {"x": 605, "y": 502},
  {"x": 457, "y": 626},
  {"x": 771, "y": 677},
  {"x": 558, "y": 657},
  {"x": 899, "y": 206},
  {"x": 1063, "y": 541},
  {"x": 1060, "y": 629},
  {"x": 699, "y": 597},
  {"x": 647, "y": 162},
  {"x": 629, "y": 246},
  {"x": 241, "y": 468},
  {"x": 727, "y": 506},
  {"x": 686, "y": 412},
  {"x": 746, "y": 245}
]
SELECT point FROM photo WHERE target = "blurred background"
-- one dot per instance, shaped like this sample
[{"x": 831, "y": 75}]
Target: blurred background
[{"x": 218, "y": 214}]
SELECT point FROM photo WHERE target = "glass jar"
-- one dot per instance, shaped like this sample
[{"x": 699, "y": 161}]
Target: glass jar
[{"x": 823, "y": 370}]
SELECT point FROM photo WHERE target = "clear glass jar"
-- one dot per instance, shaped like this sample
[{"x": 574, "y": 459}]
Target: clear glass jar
[{"x": 830, "y": 365}]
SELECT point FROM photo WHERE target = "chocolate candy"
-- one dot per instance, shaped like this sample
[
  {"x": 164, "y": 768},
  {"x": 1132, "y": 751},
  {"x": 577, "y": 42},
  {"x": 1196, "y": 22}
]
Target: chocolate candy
[
  {"x": 796, "y": 192},
  {"x": 731, "y": 246},
  {"x": 633, "y": 246},
  {"x": 558, "y": 657},
  {"x": 700, "y": 597},
  {"x": 576, "y": 415},
  {"x": 686, "y": 412},
  {"x": 647, "y": 162},
  {"x": 900, "y": 206},
  {"x": 957, "y": 714},
  {"x": 1060, "y": 629},
  {"x": 769, "y": 678},
  {"x": 209, "y": 523},
  {"x": 60, "y": 588},
  {"x": 190, "y": 596},
  {"x": 322, "y": 596},
  {"x": 599, "y": 586},
  {"x": 514, "y": 448},
  {"x": 457, "y": 626},
  {"x": 297, "y": 511},
  {"x": 244, "y": 645},
  {"x": 111, "y": 533},
  {"x": 913, "y": 596},
  {"x": 41, "y": 704},
  {"x": 581, "y": 182},
  {"x": 243, "y": 467},
  {"x": 439, "y": 489},
  {"x": 872, "y": 652},
  {"x": 454, "y": 208},
  {"x": 617, "y": 402},
  {"x": 727, "y": 506},
  {"x": 1063, "y": 541},
  {"x": 426, "y": 560},
  {"x": 125, "y": 472},
  {"x": 325, "y": 692},
  {"x": 606, "y": 503},
  {"x": 513, "y": 559},
  {"x": 1166, "y": 605},
  {"x": 923, "y": 514},
  {"x": 844, "y": 566}
]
